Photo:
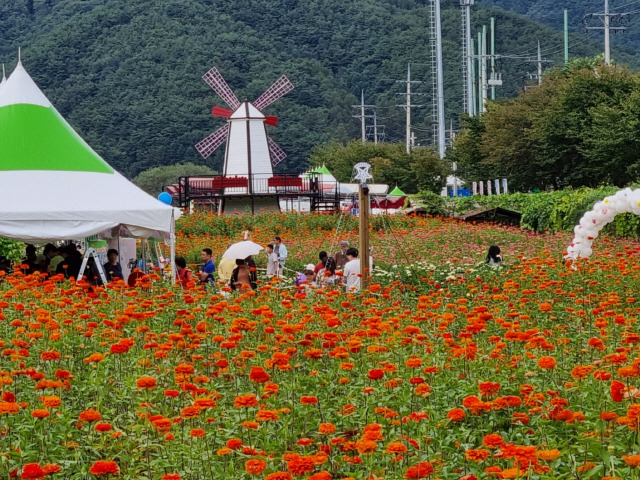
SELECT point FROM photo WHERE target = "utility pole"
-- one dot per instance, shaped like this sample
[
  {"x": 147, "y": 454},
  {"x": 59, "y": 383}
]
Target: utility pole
[
  {"x": 467, "y": 56},
  {"x": 362, "y": 116},
  {"x": 480, "y": 81},
  {"x": 566, "y": 36},
  {"x": 437, "y": 78},
  {"x": 539, "y": 61},
  {"x": 610, "y": 23},
  {"x": 539, "y": 64},
  {"x": 408, "y": 105}
]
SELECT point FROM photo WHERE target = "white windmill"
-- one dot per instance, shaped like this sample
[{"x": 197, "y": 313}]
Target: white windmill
[{"x": 250, "y": 152}]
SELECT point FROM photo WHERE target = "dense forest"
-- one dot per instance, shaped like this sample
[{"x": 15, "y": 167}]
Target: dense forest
[
  {"x": 550, "y": 12},
  {"x": 127, "y": 73}
]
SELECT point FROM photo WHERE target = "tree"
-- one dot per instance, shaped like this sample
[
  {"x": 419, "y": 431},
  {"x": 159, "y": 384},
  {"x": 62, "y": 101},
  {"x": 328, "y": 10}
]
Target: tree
[
  {"x": 421, "y": 170},
  {"x": 152, "y": 180},
  {"x": 579, "y": 128}
]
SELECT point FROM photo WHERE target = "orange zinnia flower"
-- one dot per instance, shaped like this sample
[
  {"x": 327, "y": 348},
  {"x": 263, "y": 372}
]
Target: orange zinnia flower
[
  {"x": 477, "y": 455},
  {"x": 104, "y": 467},
  {"x": 90, "y": 415},
  {"x": 146, "y": 383},
  {"x": 420, "y": 470},
  {"x": 245, "y": 401},
  {"x": 456, "y": 415},
  {"x": 396, "y": 447},
  {"x": 547, "y": 363},
  {"x": 632, "y": 460},
  {"x": 255, "y": 467},
  {"x": 32, "y": 471},
  {"x": 309, "y": 400},
  {"x": 549, "y": 455}
]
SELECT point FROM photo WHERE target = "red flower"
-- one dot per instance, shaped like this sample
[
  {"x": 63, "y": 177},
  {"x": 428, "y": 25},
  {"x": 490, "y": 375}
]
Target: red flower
[
  {"x": 420, "y": 470},
  {"x": 617, "y": 391},
  {"x": 32, "y": 470},
  {"x": 375, "y": 374},
  {"x": 104, "y": 467},
  {"x": 308, "y": 400},
  {"x": 90, "y": 415},
  {"x": 258, "y": 375}
]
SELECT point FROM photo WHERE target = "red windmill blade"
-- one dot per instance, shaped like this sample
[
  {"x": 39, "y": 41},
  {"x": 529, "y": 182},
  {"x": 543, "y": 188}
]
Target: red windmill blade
[{"x": 221, "y": 112}]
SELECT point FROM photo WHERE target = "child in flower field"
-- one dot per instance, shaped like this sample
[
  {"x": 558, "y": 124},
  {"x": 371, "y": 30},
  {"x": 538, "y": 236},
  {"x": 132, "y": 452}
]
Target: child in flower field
[
  {"x": 305, "y": 277},
  {"x": 493, "y": 257},
  {"x": 183, "y": 275}
]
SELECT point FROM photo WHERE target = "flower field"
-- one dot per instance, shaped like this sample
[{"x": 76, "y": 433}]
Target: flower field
[{"x": 443, "y": 369}]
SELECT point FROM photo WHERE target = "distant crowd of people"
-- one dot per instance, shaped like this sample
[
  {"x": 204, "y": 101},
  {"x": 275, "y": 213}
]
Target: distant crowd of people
[{"x": 342, "y": 268}]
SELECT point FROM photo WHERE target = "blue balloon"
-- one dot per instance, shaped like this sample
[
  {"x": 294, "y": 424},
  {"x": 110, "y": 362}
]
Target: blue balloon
[{"x": 165, "y": 197}]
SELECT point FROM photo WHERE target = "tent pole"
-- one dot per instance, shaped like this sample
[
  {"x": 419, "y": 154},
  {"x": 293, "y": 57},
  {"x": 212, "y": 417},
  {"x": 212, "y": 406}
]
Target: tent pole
[{"x": 172, "y": 239}]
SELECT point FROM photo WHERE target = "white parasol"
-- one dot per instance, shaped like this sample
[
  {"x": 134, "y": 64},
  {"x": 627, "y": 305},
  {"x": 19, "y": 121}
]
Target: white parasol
[{"x": 242, "y": 250}]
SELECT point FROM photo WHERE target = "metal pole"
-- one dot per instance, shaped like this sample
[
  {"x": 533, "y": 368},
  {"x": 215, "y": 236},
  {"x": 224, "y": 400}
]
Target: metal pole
[
  {"x": 480, "y": 73},
  {"x": 484, "y": 69},
  {"x": 363, "y": 198},
  {"x": 375, "y": 128},
  {"x": 409, "y": 108},
  {"x": 566, "y": 36},
  {"x": 470, "y": 74},
  {"x": 442, "y": 145},
  {"x": 607, "y": 45},
  {"x": 172, "y": 239},
  {"x": 364, "y": 133},
  {"x": 472, "y": 92},
  {"x": 539, "y": 65},
  {"x": 493, "y": 56}
]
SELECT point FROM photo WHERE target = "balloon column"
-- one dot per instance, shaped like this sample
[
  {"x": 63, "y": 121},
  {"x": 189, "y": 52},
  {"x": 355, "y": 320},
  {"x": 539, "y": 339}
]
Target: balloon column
[
  {"x": 604, "y": 211},
  {"x": 165, "y": 197}
]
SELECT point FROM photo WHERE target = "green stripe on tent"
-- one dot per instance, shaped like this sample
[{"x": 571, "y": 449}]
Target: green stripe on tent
[{"x": 33, "y": 137}]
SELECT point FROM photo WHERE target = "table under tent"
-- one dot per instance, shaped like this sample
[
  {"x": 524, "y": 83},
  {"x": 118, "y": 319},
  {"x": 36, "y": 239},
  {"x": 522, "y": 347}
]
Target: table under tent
[{"x": 55, "y": 187}]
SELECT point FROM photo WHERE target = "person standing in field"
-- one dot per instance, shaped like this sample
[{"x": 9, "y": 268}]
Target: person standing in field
[
  {"x": 272, "y": 261},
  {"x": 281, "y": 251},
  {"x": 226, "y": 268},
  {"x": 341, "y": 255},
  {"x": 351, "y": 272}
]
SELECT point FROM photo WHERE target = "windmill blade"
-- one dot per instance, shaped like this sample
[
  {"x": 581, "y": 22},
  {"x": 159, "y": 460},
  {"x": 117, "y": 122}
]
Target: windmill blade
[
  {"x": 277, "y": 154},
  {"x": 210, "y": 143},
  {"x": 219, "y": 85},
  {"x": 280, "y": 88}
]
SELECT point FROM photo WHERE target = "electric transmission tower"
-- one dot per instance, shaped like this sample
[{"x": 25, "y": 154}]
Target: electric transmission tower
[
  {"x": 467, "y": 58},
  {"x": 437, "y": 76}
]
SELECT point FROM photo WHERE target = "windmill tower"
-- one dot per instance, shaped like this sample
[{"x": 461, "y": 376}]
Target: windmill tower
[{"x": 250, "y": 153}]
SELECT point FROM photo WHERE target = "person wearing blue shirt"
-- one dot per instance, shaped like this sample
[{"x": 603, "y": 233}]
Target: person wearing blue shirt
[
  {"x": 208, "y": 267},
  {"x": 280, "y": 250}
]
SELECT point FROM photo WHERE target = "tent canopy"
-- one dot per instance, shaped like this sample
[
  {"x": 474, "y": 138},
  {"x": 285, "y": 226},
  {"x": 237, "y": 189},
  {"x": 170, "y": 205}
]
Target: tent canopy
[
  {"x": 54, "y": 186},
  {"x": 396, "y": 192}
]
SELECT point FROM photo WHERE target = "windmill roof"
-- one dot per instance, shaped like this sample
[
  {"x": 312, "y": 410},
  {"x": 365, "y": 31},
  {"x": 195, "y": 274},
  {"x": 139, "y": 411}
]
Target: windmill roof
[
  {"x": 246, "y": 110},
  {"x": 54, "y": 185},
  {"x": 396, "y": 192}
]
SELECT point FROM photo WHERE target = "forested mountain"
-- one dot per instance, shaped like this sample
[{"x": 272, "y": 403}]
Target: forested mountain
[
  {"x": 127, "y": 73},
  {"x": 550, "y": 12}
]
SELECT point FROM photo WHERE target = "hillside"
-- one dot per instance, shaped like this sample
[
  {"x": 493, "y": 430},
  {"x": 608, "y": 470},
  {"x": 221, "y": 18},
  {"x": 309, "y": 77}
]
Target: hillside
[
  {"x": 550, "y": 12},
  {"x": 126, "y": 73}
]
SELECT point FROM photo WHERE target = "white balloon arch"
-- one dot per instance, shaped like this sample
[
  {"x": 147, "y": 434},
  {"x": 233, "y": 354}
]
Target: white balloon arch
[{"x": 604, "y": 211}]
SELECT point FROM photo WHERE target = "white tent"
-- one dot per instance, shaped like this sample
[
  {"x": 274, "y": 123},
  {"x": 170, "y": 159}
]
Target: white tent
[{"x": 55, "y": 187}]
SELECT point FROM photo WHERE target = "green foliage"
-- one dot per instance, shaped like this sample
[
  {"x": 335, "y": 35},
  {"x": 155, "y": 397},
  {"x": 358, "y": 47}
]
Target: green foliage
[
  {"x": 11, "y": 249},
  {"x": 152, "y": 180},
  {"x": 421, "y": 170},
  {"x": 553, "y": 211},
  {"x": 127, "y": 73},
  {"x": 580, "y": 128},
  {"x": 433, "y": 203}
]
